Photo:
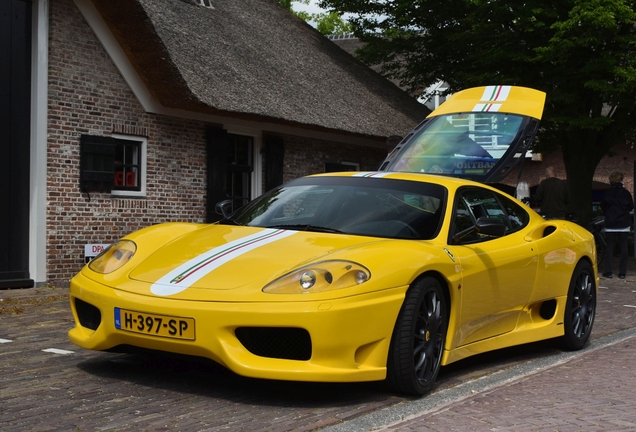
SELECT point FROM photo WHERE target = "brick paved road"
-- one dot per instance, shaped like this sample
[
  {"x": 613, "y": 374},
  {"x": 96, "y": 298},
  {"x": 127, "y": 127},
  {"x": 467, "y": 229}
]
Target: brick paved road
[
  {"x": 591, "y": 391},
  {"x": 80, "y": 390}
]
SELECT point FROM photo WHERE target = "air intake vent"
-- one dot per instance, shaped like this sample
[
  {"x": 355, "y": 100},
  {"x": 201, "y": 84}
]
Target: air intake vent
[
  {"x": 89, "y": 316},
  {"x": 276, "y": 342}
]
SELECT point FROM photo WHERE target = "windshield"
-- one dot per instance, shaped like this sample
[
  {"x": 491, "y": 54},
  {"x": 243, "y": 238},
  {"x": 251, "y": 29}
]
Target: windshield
[
  {"x": 465, "y": 145},
  {"x": 350, "y": 205}
]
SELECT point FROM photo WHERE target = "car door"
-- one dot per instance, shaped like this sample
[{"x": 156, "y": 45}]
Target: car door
[{"x": 497, "y": 274}]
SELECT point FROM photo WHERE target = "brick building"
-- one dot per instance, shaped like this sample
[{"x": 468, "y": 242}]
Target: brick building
[{"x": 127, "y": 113}]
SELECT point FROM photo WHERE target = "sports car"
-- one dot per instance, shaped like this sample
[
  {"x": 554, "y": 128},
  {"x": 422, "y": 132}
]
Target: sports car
[{"x": 365, "y": 276}]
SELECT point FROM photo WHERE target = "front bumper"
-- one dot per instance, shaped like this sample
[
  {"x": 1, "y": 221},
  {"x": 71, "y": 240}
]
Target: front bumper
[{"x": 349, "y": 337}]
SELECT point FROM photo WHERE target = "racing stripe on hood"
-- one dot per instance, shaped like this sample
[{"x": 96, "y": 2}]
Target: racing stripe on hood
[
  {"x": 188, "y": 273},
  {"x": 371, "y": 174}
]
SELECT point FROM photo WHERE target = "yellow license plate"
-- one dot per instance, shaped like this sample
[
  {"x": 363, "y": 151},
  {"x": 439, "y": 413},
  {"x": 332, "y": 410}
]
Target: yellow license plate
[{"x": 154, "y": 325}]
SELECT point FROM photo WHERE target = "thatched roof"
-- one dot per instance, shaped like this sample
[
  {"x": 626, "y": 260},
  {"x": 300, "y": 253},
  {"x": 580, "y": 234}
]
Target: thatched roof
[
  {"x": 254, "y": 59},
  {"x": 351, "y": 44}
]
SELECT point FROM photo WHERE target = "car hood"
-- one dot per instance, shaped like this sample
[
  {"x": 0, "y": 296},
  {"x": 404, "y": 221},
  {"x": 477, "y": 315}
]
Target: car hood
[{"x": 222, "y": 257}]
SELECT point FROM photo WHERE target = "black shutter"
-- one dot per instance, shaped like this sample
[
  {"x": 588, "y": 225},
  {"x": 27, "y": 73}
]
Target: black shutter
[
  {"x": 97, "y": 163},
  {"x": 217, "y": 147},
  {"x": 274, "y": 151}
]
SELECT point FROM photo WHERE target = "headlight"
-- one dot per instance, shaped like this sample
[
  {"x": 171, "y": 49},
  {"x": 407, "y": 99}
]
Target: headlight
[
  {"x": 114, "y": 257},
  {"x": 319, "y": 277}
]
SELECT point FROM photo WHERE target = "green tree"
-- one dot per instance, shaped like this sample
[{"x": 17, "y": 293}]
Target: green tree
[
  {"x": 327, "y": 23},
  {"x": 580, "y": 52}
]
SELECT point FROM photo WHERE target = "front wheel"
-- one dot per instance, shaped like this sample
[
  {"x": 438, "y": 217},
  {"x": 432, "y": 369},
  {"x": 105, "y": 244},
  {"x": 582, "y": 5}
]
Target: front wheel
[
  {"x": 580, "y": 308},
  {"x": 417, "y": 344}
]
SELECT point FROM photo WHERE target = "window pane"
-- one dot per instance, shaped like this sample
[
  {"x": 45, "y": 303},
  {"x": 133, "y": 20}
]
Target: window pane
[
  {"x": 476, "y": 203},
  {"x": 127, "y": 165},
  {"x": 517, "y": 216},
  {"x": 240, "y": 150},
  {"x": 239, "y": 169}
]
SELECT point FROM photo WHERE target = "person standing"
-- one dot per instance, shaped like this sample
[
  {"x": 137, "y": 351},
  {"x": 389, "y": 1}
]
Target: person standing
[
  {"x": 616, "y": 205},
  {"x": 552, "y": 195}
]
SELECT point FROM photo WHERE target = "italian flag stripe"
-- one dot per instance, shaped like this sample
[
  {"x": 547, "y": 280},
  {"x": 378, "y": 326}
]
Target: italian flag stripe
[
  {"x": 495, "y": 93},
  {"x": 199, "y": 265},
  {"x": 188, "y": 273}
]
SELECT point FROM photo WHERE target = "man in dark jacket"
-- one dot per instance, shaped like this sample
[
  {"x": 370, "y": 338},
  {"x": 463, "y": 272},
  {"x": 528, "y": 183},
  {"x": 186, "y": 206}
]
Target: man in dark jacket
[
  {"x": 617, "y": 204},
  {"x": 552, "y": 195}
]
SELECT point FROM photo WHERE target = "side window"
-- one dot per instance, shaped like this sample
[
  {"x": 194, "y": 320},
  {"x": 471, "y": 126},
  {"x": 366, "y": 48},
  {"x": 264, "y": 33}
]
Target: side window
[
  {"x": 114, "y": 164},
  {"x": 483, "y": 203},
  {"x": 473, "y": 203},
  {"x": 464, "y": 219},
  {"x": 516, "y": 215}
]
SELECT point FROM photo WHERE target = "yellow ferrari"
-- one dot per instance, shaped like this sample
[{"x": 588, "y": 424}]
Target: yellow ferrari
[{"x": 365, "y": 276}]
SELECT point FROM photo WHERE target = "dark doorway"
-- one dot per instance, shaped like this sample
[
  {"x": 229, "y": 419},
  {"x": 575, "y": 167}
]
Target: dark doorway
[
  {"x": 15, "y": 108},
  {"x": 230, "y": 167}
]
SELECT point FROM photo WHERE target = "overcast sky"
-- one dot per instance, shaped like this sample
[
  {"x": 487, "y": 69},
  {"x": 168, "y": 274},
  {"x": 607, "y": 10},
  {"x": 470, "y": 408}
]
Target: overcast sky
[{"x": 311, "y": 8}]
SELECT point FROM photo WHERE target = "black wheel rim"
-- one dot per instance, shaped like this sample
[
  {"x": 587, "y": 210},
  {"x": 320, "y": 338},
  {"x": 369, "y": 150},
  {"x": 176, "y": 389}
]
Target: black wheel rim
[
  {"x": 427, "y": 352},
  {"x": 583, "y": 305}
]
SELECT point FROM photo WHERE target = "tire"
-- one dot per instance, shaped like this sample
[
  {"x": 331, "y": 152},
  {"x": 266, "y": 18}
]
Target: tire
[
  {"x": 417, "y": 343},
  {"x": 580, "y": 308}
]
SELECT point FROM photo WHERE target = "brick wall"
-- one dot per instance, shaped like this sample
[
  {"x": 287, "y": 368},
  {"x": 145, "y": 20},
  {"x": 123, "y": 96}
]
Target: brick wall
[
  {"x": 88, "y": 96},
  {"x": 622, "y": 160},
  {"x": 304, "y": 157}
]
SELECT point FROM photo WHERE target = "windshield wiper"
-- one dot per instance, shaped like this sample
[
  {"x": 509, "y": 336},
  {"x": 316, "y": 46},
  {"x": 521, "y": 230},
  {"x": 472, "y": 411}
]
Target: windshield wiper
[{"x": 304, "y": 227}]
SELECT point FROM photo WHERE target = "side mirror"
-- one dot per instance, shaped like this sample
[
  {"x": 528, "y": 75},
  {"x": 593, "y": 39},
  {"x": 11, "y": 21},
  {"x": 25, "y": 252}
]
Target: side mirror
[
  {"x": 224, "y": 208},
  {"x": 484, "y": 226}
]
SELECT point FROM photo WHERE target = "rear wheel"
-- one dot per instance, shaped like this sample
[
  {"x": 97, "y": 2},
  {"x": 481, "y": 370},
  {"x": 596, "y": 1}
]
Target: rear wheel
[
  {"x": 580, "y": 308},
  {"x": 417, "y": 344}
]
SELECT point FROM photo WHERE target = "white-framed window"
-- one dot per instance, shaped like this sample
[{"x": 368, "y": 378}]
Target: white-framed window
[
  {"x": 131, "y": 155},
  {"x": 115, "y": 164}
]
